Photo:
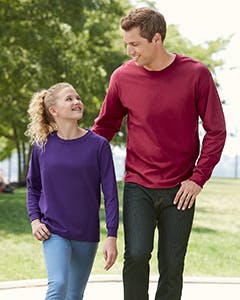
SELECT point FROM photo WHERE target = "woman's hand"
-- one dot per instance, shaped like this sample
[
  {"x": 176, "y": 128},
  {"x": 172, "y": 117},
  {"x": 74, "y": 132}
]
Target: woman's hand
[
  {"x": 39, "y": 230},
  {"x": 110, "y": 252}
]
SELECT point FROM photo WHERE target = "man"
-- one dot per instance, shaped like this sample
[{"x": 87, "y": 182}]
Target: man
[{"x": 163, "y": 96}]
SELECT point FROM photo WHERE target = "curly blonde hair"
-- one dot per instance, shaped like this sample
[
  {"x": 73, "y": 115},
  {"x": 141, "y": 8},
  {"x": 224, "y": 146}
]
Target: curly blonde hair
[{"x": 42, "y": 122}]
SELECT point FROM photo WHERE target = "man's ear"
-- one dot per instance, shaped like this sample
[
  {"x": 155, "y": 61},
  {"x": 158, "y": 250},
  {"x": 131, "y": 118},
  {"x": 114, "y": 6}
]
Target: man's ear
[
  {"x": 157, "y": 38},
  {"x": 53, "y": 111}
]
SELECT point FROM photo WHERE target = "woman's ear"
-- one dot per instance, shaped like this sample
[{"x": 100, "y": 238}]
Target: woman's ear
[{"x": 53, "y": 111}]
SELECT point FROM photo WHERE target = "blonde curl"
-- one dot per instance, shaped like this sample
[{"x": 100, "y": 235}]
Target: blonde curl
[
  {"x": 41, "y": 121},
  {"x": 41, "y": 124}
]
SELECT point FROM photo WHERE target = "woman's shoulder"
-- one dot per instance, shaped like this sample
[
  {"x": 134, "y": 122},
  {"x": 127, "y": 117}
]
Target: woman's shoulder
[{"x": 98, "y": 138}]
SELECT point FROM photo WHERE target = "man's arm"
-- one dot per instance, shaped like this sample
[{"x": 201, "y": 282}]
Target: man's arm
[
  {"x": 210, "y": 111},
  {"x": 111, "y": 115}
]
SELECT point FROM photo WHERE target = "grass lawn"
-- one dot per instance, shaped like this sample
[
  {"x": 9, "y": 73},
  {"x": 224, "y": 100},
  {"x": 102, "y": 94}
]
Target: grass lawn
[{"x": 214, "y": 246}]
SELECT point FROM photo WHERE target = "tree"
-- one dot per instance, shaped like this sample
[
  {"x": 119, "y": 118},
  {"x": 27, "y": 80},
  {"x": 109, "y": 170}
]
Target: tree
[
  {"x": 44, "y": 43},
  {"x": 78, "y": 41}
]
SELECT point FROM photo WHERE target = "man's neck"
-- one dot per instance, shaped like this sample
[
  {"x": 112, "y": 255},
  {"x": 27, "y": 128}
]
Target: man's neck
[{"x": 161, "y": 62}]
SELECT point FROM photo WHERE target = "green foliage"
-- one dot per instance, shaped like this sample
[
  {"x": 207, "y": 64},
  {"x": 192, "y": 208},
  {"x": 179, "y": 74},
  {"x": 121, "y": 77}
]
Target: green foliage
[
  {"x": 43, "y": 43},
  {"x": 78, "y": 41},
  {"x": 68, "y": 41},
  {"x": 6, "y": 147}
]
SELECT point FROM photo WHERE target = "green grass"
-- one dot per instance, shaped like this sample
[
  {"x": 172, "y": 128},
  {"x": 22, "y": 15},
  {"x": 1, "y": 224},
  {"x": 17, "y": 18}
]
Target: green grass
[{"x": 214, "y": 246}]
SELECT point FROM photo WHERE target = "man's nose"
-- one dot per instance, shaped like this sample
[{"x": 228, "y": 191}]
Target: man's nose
[{"x": 130, "y": 50}]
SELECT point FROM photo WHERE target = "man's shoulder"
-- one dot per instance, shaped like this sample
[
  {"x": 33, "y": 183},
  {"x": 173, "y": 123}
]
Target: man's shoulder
[
  {"x": 191, "y": 62},
  {"x": 194, "y": 68},
  {"x": 124, "y": 69}
]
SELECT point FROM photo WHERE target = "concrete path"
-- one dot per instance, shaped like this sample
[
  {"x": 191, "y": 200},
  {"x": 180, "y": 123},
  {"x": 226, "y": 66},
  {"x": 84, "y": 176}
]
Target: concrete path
[{"x": 109, "y": 287}]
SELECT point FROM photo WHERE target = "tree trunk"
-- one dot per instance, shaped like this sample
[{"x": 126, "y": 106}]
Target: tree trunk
[
  {"x": 24, "y": 156},
  {"x": 18, "y": 152}
]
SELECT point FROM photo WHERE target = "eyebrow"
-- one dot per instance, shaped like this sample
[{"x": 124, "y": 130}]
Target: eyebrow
[
  {"x": 71, "y": 95},
  {"x": 130, "y": 43}
]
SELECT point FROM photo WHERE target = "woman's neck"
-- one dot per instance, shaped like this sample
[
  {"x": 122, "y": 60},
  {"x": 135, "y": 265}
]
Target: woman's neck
[{"x": 69, "y": 133}]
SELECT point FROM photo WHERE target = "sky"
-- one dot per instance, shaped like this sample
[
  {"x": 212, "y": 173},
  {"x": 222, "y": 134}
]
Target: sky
[{"x": 204, "y": 20}]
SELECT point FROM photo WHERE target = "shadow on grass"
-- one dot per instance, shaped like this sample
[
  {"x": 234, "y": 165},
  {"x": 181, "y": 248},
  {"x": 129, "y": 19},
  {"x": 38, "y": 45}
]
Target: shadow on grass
[
  {"x": 203, "y": 210},
  {"x": 14, "y": 218},
  {"x": 200, "y": 229}
]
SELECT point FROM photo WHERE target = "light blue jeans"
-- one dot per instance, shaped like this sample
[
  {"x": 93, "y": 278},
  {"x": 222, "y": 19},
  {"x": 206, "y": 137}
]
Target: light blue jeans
[{"x": 68, "y": 264}]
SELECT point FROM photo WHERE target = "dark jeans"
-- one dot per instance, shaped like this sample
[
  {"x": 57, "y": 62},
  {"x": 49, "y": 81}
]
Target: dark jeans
[{"x": 144, "y": 209}]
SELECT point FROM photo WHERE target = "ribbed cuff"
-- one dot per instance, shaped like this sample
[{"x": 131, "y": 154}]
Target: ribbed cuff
[{"x": 112, "y": 232}]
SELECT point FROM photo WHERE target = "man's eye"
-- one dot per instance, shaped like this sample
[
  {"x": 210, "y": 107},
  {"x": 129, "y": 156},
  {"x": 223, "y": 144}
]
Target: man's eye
[{"x": 69, "y": 99}]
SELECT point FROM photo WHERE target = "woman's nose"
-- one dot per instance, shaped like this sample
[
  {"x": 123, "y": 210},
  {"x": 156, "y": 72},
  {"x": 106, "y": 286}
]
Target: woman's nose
[{"x": 76, "y": 100}]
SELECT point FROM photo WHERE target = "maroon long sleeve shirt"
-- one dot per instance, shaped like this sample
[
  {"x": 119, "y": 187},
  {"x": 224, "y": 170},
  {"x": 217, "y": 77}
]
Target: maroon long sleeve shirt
[{"x": 163, "y": 110}]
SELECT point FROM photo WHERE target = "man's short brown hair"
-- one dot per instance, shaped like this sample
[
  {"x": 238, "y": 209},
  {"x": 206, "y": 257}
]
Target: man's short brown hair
[{"x": 148, "y": 20}]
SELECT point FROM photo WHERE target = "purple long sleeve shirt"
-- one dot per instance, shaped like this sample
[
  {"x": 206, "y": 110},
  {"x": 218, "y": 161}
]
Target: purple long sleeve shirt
[{"x": 64, "y": 185}]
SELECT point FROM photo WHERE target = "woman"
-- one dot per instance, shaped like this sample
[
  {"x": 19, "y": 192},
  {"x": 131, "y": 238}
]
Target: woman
[{"x": 68, "y": 167}]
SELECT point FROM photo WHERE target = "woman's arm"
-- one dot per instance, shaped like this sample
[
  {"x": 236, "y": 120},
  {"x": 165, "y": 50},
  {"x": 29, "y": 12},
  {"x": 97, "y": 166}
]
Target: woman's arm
[{"x": 109, "y": 188}]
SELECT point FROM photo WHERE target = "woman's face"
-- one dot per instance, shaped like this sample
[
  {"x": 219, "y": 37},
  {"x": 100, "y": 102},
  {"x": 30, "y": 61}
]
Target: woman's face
[{"x": 68, "y": 105}]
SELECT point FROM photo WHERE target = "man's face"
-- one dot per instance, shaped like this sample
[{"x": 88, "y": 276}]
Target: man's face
[{"x": 139, "y": 49}]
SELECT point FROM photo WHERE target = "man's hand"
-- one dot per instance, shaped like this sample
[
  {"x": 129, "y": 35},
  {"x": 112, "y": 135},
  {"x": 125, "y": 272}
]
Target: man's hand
[
  {"x": 39, "y": 230},
  {"x": 110, "y": 252},
  {"x": 187, "y": 194}
]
